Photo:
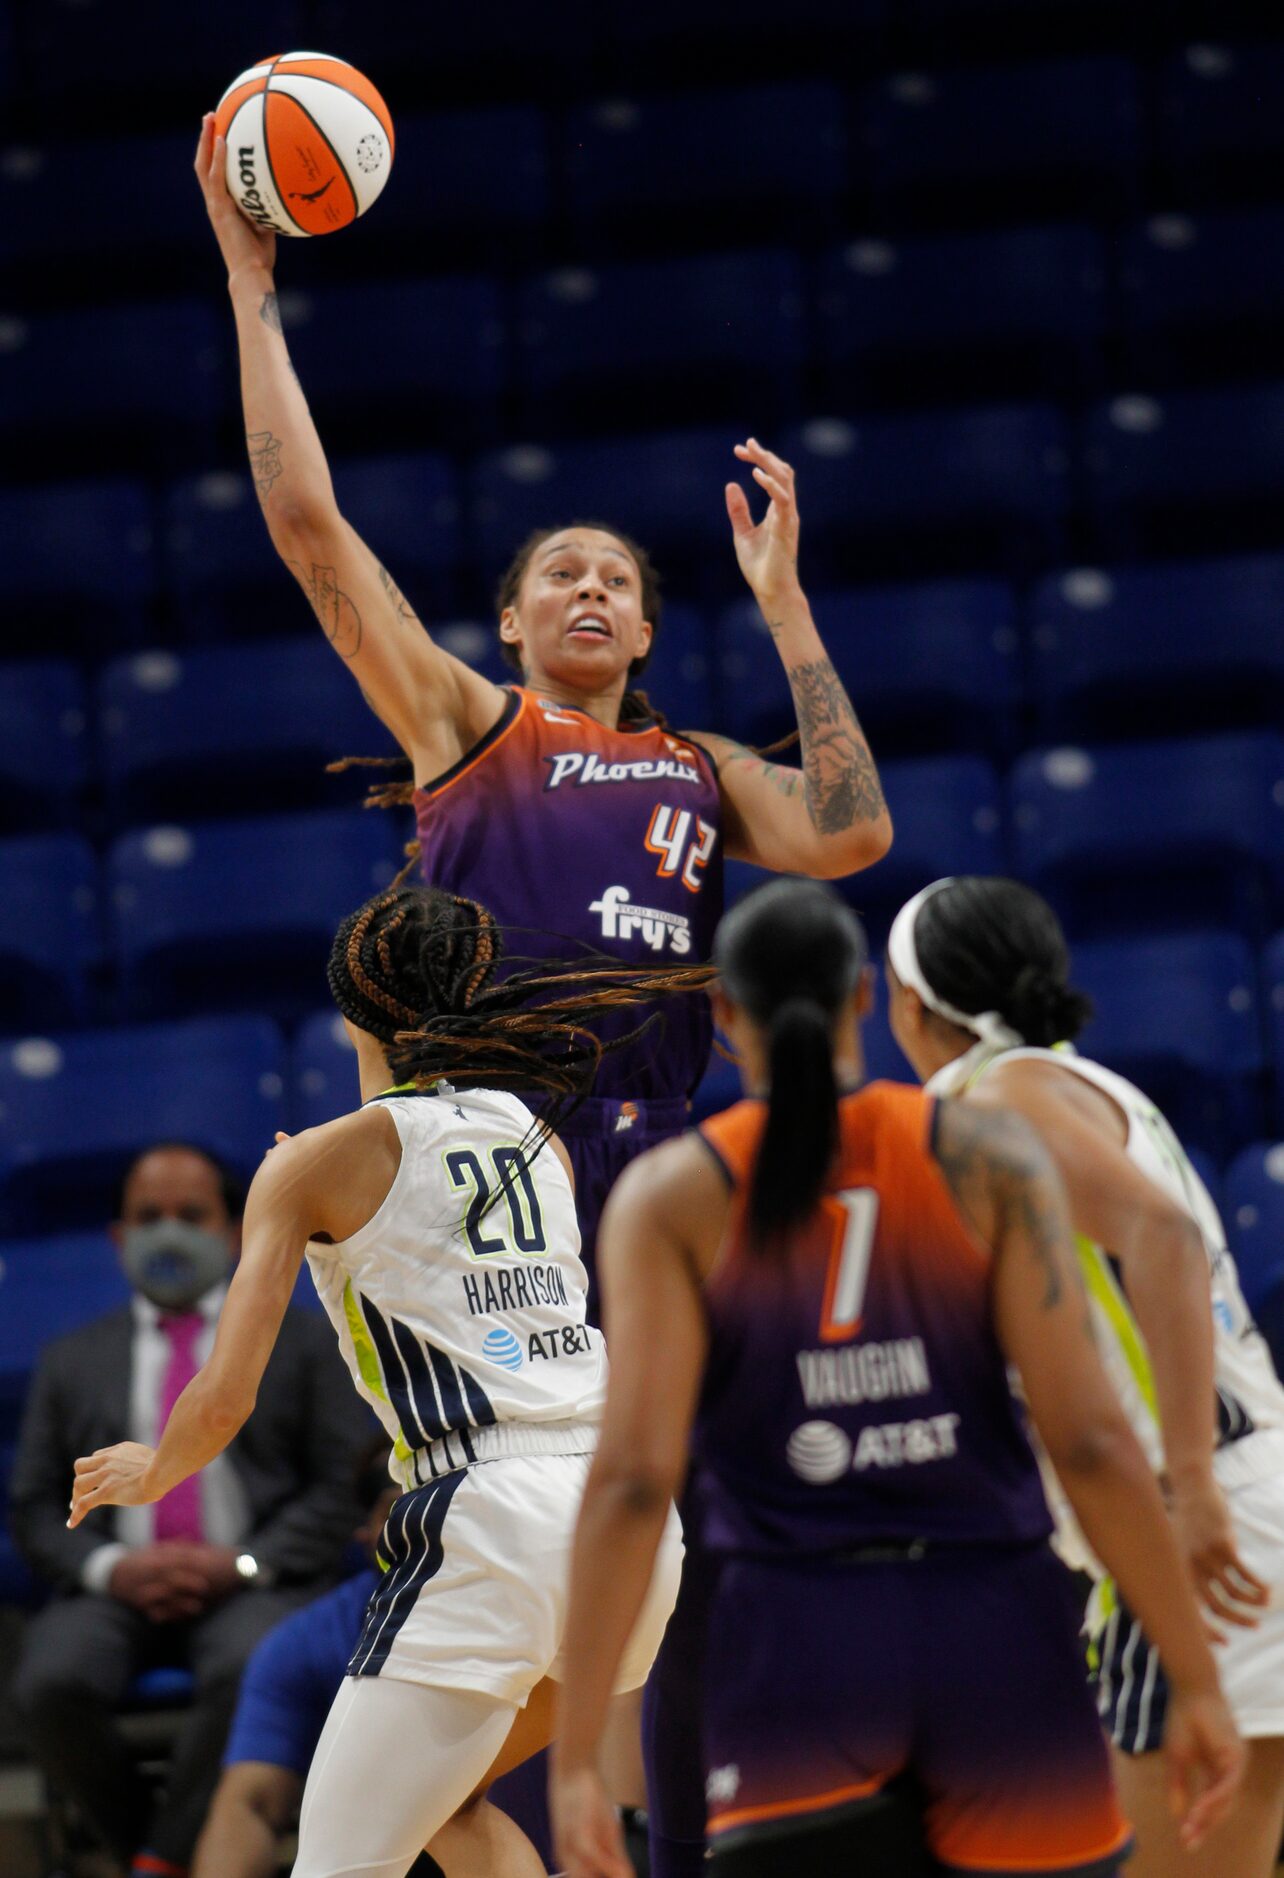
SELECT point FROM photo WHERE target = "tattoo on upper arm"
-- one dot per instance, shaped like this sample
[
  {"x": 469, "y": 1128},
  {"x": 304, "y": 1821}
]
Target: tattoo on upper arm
[
  {"x": 1002, "y": 1178},
  {"x": 265, "y": 461},
  {"x": 401, "y": 605},
  {"x": 841, "y": 778},
  {"x": 270, "y": 311},
  {"x": 337, "y": 612}
]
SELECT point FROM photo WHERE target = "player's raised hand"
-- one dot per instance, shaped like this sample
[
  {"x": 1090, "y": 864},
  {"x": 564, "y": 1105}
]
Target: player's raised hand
[
  {"x": 586, "y": 1828},
  {"x": 1205, "y": 1762},
  {"x": 240, "y": 242},
  {"x": 112, "y": 1477},
  {"x": 767, "y": 550}
]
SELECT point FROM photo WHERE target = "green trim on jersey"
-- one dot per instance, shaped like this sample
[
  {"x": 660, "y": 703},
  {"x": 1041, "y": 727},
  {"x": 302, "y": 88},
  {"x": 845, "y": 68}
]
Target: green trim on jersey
[{"x": 368, "y": 1363}]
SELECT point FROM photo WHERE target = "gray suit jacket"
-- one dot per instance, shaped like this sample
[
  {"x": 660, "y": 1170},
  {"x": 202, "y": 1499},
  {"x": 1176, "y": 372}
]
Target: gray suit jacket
[{"x": 296, "y": 1456}]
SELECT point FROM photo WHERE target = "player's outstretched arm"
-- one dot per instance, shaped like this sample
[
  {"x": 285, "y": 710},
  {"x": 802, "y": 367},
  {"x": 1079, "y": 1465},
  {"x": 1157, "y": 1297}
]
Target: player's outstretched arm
[
  {"x": 655, "y": 1327},
  {"x": 1005, "y": 1182},
  {"x": 433, "y": 704},
  {"x": 325, "y": 1183},
  {"x": 829, "y": 818},
  {"x": 1165, "y": 1272}
]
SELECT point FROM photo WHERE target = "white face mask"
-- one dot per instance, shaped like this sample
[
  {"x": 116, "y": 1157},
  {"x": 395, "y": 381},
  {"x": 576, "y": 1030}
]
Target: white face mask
[{"x": 173, "y": 1262}]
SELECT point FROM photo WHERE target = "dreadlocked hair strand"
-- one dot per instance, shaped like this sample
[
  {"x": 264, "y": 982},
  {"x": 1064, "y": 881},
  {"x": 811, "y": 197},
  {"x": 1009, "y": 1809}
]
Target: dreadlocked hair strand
[{"x": 416, "y": 968}]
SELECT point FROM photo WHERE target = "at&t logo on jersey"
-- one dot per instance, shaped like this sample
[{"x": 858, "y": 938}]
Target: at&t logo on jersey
[
  {"x": 501, "y": 1346},
  {"x": 621, "y": 919}
]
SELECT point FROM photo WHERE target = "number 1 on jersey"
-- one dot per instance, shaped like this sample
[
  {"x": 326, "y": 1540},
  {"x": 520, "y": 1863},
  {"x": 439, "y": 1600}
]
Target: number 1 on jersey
[{"x": 854, "y": 1228}]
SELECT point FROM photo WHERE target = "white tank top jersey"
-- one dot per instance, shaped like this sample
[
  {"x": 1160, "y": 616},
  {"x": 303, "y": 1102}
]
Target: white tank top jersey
[
  {"x": 460, "y": 1307},
  {"x": 1250, "y": 1399}
]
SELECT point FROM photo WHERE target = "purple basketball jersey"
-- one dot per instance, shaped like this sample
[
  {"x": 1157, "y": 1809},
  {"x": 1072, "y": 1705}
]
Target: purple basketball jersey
[
  {"x": 574, "y": 835},
  {"x": 855, "y": 1390}
]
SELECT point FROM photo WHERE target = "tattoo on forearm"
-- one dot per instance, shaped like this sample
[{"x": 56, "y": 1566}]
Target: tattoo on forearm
[
  {"x": 270, "y": 311},
  {"x": 265, "y": 461},
  {"x": 401, "y": 606},
  {"x": 841, "y": 779},
  {"x": 337, "y": 612}
]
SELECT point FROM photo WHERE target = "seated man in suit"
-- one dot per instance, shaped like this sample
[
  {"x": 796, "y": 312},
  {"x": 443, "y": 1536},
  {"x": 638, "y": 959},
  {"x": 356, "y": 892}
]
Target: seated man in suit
[{"x": 198, "y": 1578}]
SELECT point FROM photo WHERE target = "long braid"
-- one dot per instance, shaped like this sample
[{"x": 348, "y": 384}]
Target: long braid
[{"x": 416, "y": 968}]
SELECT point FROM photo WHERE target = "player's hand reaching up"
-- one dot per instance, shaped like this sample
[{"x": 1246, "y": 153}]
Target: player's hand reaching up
[
  {"x": 768, "y": 550},
  {"x": 240, "y": 242},
  {"x": 586, "y": 1827}
]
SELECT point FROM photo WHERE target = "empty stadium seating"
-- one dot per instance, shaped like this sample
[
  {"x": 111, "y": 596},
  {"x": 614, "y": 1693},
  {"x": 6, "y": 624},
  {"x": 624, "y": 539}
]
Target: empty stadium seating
[
  {"x": 1180, "y": 833},
  {"x": 214, "y": 1082},
  {"x": 230, "y": 729},
  {"x": 1175, "y": 646},
  {"x": 239, "y": 914},
  {"x": 1179, "y": 1016},
  {"x": 50, "y": 936}
]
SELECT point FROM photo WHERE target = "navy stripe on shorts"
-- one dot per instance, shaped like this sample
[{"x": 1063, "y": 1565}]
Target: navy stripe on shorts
[
  {"x": 1132, "y": 1690},
  {"x": 411, "y": 1547}
]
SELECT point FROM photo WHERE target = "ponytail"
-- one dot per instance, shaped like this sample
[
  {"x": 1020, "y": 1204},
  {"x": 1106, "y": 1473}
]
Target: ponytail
[{"x": 801, "y": 1135}]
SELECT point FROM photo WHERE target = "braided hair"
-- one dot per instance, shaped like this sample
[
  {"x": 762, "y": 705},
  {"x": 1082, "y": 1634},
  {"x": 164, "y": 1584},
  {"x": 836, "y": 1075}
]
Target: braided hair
[{"x": 416, "y": 968}]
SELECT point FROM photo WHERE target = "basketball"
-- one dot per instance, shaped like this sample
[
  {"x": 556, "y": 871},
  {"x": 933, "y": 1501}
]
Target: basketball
[{"x": 309, "y": 143}]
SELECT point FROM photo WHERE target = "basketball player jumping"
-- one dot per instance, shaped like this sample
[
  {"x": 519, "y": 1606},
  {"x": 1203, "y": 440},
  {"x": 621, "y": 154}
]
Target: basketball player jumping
[{"x": 443, "y": 1242}]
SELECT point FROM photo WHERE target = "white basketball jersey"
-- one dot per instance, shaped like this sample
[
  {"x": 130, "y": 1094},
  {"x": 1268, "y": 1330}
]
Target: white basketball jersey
[
  {"x": 1250, "y": 1398},
  {"x": 460, "y": 1307}
]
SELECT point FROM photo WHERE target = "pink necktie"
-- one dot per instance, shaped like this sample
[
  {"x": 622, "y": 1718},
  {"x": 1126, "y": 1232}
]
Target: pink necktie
[{"x": 178, "y": 1514}]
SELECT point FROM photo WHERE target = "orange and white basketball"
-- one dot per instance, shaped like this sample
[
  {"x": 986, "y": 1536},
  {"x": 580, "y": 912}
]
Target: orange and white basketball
[{"x": 309, "y": 143}]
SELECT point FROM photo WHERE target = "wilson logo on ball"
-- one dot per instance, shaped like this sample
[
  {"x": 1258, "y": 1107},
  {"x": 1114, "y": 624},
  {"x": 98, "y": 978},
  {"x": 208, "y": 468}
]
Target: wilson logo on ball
[{"x": 309, "y": 143}]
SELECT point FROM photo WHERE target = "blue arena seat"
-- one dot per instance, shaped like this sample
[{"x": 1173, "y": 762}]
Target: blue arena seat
[
  {"x": 323, "y": 1072},
  {"x": 679, "y": 675},
  {"x": 1005, "y": 312},
  {"x": 1255, "y": 1218},
  {"x": 763, "y": 161},
  {"x": 44, "y": 745},
  {"x": 50, "y": 222},
  {"x": 49, "y": 1286},
  {"x": 79, "y": 558},
  {"x": 407, "y": 508},
  {"x": 51, "y": 934},
  {"x": 928, "y": 668},
  {"x": 665, "y": 490},
  {"x": 967, "y": 144},
  {"x": 1144, "y": 837},
  {"x": 985, "y": 488},
  {"x": 226, "y": 578},
  {"x": 1172, "y": 646},
  {"x": 1221, "y": 120},
  {"x": 472, "y": 184},
  {"x": 230, "y": 914},
  {"x": 141, "y": 385},
  {"x": 648, "y": 340},
  {"x": 231, "y": 730},
  {"x": 214, "y": 1082},
  {"x": 1178, "y": 1015},
  {"x": 1189, "y": 471},
  {"x": 947, "y": 812},
  {"x": 400, "y": 360},
  {"x": 1203, "y": 294}
]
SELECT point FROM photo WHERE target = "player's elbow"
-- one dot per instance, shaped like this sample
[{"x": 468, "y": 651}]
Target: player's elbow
[
  {"x": 303, "y": 526},
  {"x": 639, "y": 1487},
  {"x": 856, "y": 848},
  {"x": 1093, "y": 1448}
]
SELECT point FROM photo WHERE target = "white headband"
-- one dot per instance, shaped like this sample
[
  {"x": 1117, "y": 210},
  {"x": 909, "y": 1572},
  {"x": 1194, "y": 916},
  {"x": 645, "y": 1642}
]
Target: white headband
[{"x": 989, "y": 1026}]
